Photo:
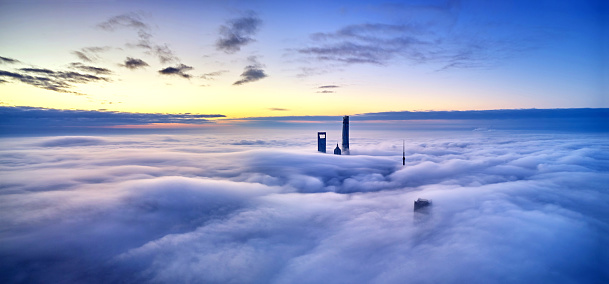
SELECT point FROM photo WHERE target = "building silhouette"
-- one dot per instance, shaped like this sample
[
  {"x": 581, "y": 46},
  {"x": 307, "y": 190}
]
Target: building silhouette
[
  {"x": 337, "y": 150},
  {"x": 346, "y": 134},
  {"x": 421, "y": 203},
  {"x": 403, "y": 154},
  {"x": 321, "y": 142}
]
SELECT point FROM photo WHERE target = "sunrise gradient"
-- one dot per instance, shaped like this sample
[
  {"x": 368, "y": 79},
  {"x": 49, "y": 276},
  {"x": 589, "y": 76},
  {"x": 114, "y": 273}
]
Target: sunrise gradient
[{"x": 277, "y": 58}]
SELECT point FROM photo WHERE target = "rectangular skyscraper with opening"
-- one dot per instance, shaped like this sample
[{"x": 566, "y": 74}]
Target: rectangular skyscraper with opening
[
  {"x": 346, "y": 135},
  {"x": 321, "y": 142}
]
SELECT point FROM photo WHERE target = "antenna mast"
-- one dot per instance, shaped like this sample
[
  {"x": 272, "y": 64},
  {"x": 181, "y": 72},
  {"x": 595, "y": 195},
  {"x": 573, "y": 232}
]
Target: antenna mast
[{"x": 403, "y": 154}]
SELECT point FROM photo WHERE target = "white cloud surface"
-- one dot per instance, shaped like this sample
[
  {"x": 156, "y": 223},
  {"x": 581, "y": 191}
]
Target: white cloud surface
[{"x": 507, "y": 208}]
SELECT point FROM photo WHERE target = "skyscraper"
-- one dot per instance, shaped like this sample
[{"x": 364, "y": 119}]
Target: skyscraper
[
  {"x": 337, "y": 150},
  {"x": 321, "y": 142},
  {"x": 346, "y": 135}
]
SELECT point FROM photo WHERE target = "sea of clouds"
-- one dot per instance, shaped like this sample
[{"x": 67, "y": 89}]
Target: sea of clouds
[{"x": 508, "y": 207}]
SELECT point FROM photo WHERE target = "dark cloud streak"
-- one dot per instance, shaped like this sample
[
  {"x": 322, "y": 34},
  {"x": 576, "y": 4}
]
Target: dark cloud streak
[
  {"x": 8, "y": 60},
  {"x": 58, "y": 81},
  {"x": 212, "y": 75},
  {"x": 134, "y": 63},
  {"x": 179, "y": 70},
  {"x": 326, "y": 89},
  {"x": 37, "y": 81},
  {"x": 90, "y": 69},
  {"x": 238, "y": 33},
  {"x": 38, "y": 70},
  {"x": 252, "y": 72},
  {"x": 82, "y": 56}
]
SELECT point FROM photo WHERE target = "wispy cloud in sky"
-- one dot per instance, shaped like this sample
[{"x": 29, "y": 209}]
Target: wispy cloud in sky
[
  {"x": 179, "y": 70},
  {"x": 90, "y": 69},
  {"x": 213, "y": 75},
  {"x": 327, "y": 89},
  {"x": 134, "y": 63},
  {"x": 8, "y": 60},
  {"x": 238, "y": 33},
  {"x": 58, "y": 81},
  {"x": 427, "y": 34},
  {"x": 135, "y": 21},
  {"x": 90, "y": 54},
  {"x": 366, "y": 43},
  {"x": 253, "y": 72},
  {"x": 131, "y": 20}
]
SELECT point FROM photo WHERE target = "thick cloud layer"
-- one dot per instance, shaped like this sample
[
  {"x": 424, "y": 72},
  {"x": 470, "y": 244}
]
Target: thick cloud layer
[
  {"x": 507, "y": 207},
  {"x": 40, "y": 121}
]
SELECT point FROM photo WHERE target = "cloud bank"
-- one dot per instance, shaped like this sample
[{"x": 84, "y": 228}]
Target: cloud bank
[
  {"x": 507, "y": 207},
  {"x": 19, "y": 120},
  {"x": 15, "y": 120}
]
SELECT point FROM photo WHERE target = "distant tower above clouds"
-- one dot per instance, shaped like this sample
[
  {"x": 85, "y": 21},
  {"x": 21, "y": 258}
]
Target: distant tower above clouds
[
  {"x": 346, "y": 135},
  {"x": 337, "y": 150},
  {"x": 321, "y": 142},
  {"x": 403, "y": 154}
]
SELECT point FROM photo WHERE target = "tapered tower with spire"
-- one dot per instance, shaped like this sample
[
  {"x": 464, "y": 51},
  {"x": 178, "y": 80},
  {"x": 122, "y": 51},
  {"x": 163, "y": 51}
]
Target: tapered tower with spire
[{"x": 346, "y": 135}]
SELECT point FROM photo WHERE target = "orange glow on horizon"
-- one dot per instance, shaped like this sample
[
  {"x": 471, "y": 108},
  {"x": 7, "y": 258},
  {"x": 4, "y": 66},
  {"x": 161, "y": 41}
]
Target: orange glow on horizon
[{"x": 160, "y": 126}]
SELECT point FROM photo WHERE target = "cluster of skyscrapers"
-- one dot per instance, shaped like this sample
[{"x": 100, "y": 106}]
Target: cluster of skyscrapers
[
  {"x": 321, "y": 139},
  {"x": 419, "y": 204}
]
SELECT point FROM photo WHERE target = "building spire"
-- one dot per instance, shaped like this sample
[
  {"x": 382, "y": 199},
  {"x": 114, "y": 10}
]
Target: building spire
[{"x": 403, "y": 154}]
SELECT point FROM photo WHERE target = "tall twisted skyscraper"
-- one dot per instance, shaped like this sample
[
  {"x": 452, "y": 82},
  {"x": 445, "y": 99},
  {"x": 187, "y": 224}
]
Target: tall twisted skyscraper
[{"x": 346, "y": 135}]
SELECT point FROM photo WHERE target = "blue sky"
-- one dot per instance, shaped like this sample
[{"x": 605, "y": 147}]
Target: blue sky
[{"x": 277, "y": 58}]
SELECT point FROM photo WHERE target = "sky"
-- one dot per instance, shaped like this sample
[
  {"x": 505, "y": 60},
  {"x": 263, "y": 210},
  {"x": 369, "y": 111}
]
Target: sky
[
  {"x": 507, "y": 207},
  {"x": 176, "y": 141},
  {"x": 293, "y": 58}
]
